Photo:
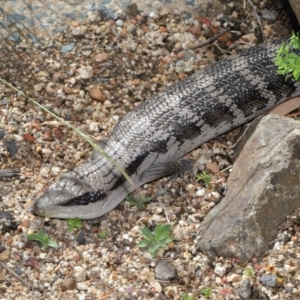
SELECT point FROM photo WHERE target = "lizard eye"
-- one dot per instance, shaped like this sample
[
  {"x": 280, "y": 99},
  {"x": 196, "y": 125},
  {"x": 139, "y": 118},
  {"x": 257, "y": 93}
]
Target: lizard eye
[{"x": 85, "y": 199}]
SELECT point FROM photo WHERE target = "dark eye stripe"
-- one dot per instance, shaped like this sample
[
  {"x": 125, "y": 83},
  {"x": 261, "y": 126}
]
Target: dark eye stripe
[{"x": 85, "y": 199}]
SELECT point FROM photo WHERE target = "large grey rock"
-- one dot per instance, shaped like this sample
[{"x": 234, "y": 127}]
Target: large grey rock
[{"x": 263, "y": 188}]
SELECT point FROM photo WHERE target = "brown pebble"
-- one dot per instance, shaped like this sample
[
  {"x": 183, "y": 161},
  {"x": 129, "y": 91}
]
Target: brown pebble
[
  {"x": 162, "y": 29},
  {"x": 195, "y": 30},
  {"x": 146, "y": 85},
  {"x": 135, "y": 82},
  {"x": 28, "y": 137},
  {"x": 180, "y": 54},
  {"x": 4, "y": 255},
  {"x": 213, "y": 167},
  {"x": 97, "y": 94},
  {"x": 101, "y": 57},
  {"x": 47, "y": 136},
  {"x": 58, "y": 101},
  {"x": 68, "y": 284},
  {"x": 26, "y": 222},
  {"x": 294, "y": 238},
  {"x": 181, "y": 75},
  {"x": 2, "y": 277},
  {"x": 224, "y": 38},
  {"x": 166, "y": 59},
  {"x": 67, "y": 90}
]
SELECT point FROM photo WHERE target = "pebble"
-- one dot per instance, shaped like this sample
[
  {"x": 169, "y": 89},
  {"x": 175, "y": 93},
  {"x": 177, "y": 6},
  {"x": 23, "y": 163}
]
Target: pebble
[
  {"x": 131, "y": 28},
  {"x": 119, "y": 23},
  {"x": 268, "y": 280},
  {"x": 164, "y": 270},
  {"x": 85, "y": 72},
  {"x": 98, "y": 94},
  {"x": 219, "y": 270},
  {"x": 68, "y": 284},
  {"x": 245, "y": 290},
  {"x": 201, "y": 192}
]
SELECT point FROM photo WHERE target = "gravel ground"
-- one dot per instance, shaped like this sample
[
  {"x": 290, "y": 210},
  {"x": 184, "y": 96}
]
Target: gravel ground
[{"x": 91, "y": 73}]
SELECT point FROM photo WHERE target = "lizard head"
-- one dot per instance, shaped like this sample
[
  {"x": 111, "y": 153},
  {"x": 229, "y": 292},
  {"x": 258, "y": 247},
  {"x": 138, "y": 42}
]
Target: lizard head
[{"x": 73, "y": 196}]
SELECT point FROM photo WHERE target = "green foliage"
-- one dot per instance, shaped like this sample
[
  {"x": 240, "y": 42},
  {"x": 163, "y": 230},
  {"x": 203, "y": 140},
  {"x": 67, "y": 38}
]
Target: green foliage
[
  {"x": 187, "y": 297},
  {"x": 74, "y": 223},
  {"x": 102, "y": 234},
  {"x": 249, "y": 271},
  {"x": 204, "y": 177},
  {"x": 43, "y": 238},
  {"x": 287, "y": 61},
  {"x": 207, "y": 292},
  {"x": 138, "y": 202},
  {"x": 160, "y": 238}
]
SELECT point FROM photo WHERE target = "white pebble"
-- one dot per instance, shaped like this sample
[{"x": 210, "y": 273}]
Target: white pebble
[
  {"x": 219, "y": 270},
  {"x": 200, "y": 192},
  {"x": 119, "y": 23},
  {"x": 85, "y": 72}
]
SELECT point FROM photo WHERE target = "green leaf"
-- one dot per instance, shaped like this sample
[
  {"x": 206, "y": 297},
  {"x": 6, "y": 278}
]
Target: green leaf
[
  {"x": 43, "y": 238},
  {"x": 153, "y": 249},
  {"x": 51, "y": 243},
  {"x": 74, "y": 223},
  {"x": 162, "y": 231},
  {"x": 147, "y": 233},
  {"x": 102, "y": 234},
  {"x": 144, "y": 243}
]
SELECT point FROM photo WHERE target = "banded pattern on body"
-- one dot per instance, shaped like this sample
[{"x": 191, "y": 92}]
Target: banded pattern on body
[{"x": 150, "y": 139}]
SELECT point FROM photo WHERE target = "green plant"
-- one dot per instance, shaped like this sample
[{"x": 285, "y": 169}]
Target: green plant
[
  {"x": 204, "y": 177},
  {"x": 74, "y": 223},
  {"x": 287, "y": 58},
  {"x": 102, "y": 234},
  {"x": 207, "y": 292},
  {"x": 43, "y": 238},
  {"x": 156, "y": 240},
  {"x": 249, "y": 271},
  {"x": 138, "y": 202},
  {"x": 187, "y": 297}
]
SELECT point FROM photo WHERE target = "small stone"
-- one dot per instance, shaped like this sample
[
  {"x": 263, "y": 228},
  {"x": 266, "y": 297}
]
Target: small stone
[
  {"x": 190, "y": 188},
  {"x": 178, "y": 234},
  {"x": 119, "y": 23},
  {"x": 68, "y": 284},
  {"x": 2, "y": 276},
  {"x": 67, "y": 48},
  {"x": 97, "y": 94},
  {"x": 269, "y": 15},
  {"x": 156, "y": 285},
  {"x": 131, "y": 28},
  {"x": 132, "y": 9},
  {"x": 195, "y": 30},
  {"x": 4, "y": 255},
  {"x": 233, "y": 278},
  {"x": 245, "y": 291},
  {"x": 81, "y": 238},
  {"x": 38, "y": 87},
  {"x": 213, "y": 167},
  {"x": 200, "y": 192},
  {"x": 268, "y": 280},
  {"x": 250, "y": 38},
  {"x": 219, "y": 270},
  {"x": 79, "y": 273},
  {"x": 26, "y": 222},
  {"x": 101, "y": 57},
  {"x": 164, "y": 270},
  {"x": 85, "y": 72},
  {"x": 80, "y": 30},
  {"x": 215, "y": 195}
]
